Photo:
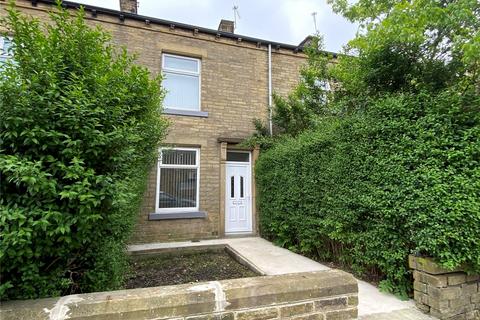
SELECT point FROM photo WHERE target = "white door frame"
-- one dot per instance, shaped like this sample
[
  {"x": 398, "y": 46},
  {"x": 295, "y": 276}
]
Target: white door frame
[{"x": 248, "y": 197}]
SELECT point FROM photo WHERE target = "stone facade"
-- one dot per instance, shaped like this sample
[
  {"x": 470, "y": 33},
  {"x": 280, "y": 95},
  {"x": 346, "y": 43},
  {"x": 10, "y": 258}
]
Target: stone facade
[
  {"x": 234, "y": 92},
  {"x": 322, "y": 295},
  {"x": 445, "y": 294}
]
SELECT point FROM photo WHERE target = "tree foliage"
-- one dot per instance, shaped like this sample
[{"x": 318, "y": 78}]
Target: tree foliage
[
  {"x": 80, "y": 125},
  {"x": 309, "y": 99},
  {"x": 410, "y": 46}
]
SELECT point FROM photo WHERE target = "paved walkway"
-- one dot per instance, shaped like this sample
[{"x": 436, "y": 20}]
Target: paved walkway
[{"x": 271, "y": 260}]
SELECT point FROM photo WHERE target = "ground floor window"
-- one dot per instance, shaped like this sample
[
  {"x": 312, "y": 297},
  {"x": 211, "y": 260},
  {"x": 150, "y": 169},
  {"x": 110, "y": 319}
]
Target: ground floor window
[{"x": 178, "y": 180}]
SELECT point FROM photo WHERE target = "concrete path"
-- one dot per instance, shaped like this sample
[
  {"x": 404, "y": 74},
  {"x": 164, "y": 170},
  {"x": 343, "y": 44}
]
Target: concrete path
[{"x": 272, "y": 260}]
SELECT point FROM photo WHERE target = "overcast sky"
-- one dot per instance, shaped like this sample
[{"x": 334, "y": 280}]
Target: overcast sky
[{"x": 287, "y": 21}]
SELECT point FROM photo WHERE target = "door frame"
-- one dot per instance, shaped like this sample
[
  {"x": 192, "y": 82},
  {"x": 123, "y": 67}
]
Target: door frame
[{"x": 249, "y": 199}]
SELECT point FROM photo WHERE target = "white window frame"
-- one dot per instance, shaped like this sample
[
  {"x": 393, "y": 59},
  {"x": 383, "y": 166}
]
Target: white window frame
[
  {"x": 160, "y": 165},
  {"x": 188, "y": 73}
]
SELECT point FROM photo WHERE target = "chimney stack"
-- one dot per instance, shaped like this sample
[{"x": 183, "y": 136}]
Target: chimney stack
[
  {"x": 128, "y": 6},
  {"x": 226, "y": 26}
]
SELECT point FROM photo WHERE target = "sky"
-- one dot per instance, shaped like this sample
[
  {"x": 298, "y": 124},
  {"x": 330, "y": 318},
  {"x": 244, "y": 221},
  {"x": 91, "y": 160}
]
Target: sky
[{"x": 286, "y": 21}]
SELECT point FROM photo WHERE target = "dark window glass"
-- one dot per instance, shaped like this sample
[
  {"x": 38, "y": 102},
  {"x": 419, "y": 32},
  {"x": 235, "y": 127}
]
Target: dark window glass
[
  {"x": 237, "y": 156},
  {"x": 178, "y": 188},
  {"x": 232, "y": 187}
]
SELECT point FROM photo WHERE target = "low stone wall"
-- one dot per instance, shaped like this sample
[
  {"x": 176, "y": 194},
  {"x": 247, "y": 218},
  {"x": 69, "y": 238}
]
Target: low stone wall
[
  {"x": 324, "y": 295},
  {"x": 445, "y": 294}
]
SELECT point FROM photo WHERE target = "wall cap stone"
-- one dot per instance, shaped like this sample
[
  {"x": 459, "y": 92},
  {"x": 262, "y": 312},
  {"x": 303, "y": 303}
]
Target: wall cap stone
[
  {"x": 429, "y": 265},
  {"x": 187, "y": 299}
]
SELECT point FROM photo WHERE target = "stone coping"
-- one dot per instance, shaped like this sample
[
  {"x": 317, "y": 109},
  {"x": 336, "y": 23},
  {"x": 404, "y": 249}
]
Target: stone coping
[
  {"x": 429, "y": 265},
  {"x": 207, "y": 298}
]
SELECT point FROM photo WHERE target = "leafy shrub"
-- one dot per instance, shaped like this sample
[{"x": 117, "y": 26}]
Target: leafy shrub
[
  {"x": 80, "y": 126},
  {"x": 390, "y": 165},
  {"x": 367, "y": 189}
]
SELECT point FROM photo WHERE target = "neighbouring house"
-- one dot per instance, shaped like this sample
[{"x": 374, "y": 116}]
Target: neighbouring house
[{"x": 218, "y": 82}]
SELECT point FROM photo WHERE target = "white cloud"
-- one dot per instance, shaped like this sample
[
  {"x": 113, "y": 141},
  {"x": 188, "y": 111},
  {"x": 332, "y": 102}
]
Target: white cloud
[
  {"x": 299, "y": 15},
  {"x": 110, "y": 4}
]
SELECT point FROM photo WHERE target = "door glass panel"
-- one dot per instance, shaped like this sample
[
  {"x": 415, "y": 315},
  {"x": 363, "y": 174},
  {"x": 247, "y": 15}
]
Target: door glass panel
[
  {"x": 241, "y": 187},
  {"x": 232, "y": 187},
  {"x": 237, "y": 156}
]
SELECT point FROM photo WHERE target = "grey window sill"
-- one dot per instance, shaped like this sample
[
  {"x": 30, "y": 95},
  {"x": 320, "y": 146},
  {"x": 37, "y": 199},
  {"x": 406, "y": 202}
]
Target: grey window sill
[
  {"x": 190, "y": 113},
  {"x": 178, "y": 215}
]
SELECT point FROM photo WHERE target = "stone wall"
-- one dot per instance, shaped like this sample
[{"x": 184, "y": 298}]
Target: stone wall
[
  {"x": 323, "y": 295},
  {"x": 445, "y": 294}
]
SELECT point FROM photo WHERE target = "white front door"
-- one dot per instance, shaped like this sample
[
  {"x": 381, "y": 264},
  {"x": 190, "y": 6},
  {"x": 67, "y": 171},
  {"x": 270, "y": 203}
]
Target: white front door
[{"x": 238, "y": 200}]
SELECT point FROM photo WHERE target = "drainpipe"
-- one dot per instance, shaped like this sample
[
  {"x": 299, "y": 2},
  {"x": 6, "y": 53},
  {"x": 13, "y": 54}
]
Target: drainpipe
[{"x": 270, "y": 88}]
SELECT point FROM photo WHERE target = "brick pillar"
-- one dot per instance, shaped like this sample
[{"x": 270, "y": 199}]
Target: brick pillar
[{"x": 445, "y": 294}]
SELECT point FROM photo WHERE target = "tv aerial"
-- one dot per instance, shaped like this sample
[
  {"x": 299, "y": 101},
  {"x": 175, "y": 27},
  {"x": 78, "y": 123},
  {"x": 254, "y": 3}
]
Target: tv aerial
[
  {"x": 314, "y": 15},
  {"x": 236, "y": 15}
]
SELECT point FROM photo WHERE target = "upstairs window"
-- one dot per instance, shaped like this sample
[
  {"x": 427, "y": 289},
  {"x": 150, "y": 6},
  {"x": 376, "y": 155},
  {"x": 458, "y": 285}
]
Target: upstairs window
[
  {"x": 6, "y": 51},
  {"x": 182, "y": 82},
  {"x": 323, "y": 85}
]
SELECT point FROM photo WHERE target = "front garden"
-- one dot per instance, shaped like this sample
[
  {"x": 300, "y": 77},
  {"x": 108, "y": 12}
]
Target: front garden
[{"x": 184, "y": 266}]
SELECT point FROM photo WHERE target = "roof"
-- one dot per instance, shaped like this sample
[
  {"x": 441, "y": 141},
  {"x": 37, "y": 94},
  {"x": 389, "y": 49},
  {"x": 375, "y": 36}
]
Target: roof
[{"x": 124, "y": 15}]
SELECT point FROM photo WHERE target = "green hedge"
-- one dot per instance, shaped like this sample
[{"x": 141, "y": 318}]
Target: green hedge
[
  {"x": 80, "y": 125},
  {"x": 370, "y": 188}
]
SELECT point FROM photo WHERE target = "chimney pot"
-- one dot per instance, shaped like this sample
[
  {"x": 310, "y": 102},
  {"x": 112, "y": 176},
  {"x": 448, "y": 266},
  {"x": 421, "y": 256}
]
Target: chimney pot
[
  {"x": 226, "y": 26},
  {"x": 128, "y": 6}
]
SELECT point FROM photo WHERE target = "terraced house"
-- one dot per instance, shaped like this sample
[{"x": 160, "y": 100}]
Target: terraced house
[{"x": 217, "y": 83}]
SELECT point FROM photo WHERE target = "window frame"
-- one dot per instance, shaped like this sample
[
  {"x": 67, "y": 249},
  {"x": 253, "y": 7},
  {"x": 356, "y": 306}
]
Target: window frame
[
  {"x": 187, "y": 73},
  {"x": 160, "y": 165}
]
